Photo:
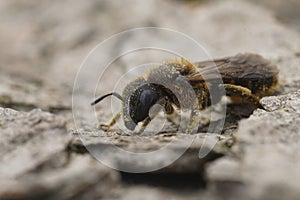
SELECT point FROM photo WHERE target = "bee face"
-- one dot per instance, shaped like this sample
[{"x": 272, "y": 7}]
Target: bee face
[{"x": 140, "y": 102}]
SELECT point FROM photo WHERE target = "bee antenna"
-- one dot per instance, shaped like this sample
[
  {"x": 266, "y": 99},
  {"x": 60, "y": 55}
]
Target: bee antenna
[{"x": 104, "y": 96}]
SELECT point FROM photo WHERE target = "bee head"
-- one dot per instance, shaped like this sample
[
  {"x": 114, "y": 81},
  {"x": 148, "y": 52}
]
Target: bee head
[
  {"x": 137, "y": 98},
  {"x": 140, "y": 102}
]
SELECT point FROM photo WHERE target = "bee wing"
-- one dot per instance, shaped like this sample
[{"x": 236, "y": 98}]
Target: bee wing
[
  {"x": 208, "y": 70},
  {"x": 242, "y": 66}
]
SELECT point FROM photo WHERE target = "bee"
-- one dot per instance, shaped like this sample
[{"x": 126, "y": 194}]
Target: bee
[{"x": 245, "y": 79}]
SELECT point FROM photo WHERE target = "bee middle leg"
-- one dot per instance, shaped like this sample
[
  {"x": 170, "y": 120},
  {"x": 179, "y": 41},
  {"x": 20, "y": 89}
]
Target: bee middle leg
[
  {"x": 172, "y": 115},
  {"x": 174, "y": 118},
  {"x": 186, "y": 122}
]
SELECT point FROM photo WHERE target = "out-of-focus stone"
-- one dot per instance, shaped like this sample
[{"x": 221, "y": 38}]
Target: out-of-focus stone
[
  {"x": 187, "y": 147},
  {"x": 29, "y": 139},
  {"x": 159, "y": 193},
  {"x": 286, "y": 12},
  {"x": 25, "y": 94},
  {"x": 36, "y": 162},
  {"x": 80, "y": 178},
  {"x": 268, "y": 161}
]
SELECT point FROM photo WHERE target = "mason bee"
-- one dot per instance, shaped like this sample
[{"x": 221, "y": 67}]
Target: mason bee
[{"x": 245, "y": 78}]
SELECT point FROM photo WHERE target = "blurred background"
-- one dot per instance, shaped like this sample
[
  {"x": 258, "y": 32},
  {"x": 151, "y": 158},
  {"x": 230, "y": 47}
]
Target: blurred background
[{"x": 43, "y": 43}]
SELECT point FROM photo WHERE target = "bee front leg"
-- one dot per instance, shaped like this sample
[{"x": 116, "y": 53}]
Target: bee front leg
[
  {"x": 144, "y": 125},
  {"x": 112, "y": 122},
  {"x": 162, "y": 103}
]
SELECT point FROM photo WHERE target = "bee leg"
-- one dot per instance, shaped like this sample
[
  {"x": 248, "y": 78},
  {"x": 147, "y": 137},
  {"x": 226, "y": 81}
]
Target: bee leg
[
  {"x": 174, "y": 118},
  {"x": 172, "y": 115},
  {"x": 144, "y": 125},
  {"x": 154, "y": 112},
  {"x": 241, "y": 95},
  {"x": 112, "y": 122},
  {"x": 194, "y": 121}
]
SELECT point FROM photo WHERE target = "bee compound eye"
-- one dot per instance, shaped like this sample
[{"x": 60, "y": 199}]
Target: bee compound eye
[{"x": 146, "y": 98}]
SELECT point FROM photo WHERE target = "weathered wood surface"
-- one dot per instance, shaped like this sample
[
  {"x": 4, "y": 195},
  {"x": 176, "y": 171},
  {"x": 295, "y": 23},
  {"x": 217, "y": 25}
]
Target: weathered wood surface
[{"x": 41, "y": 154}]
